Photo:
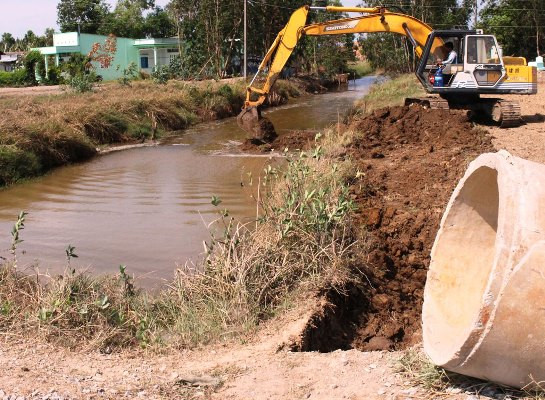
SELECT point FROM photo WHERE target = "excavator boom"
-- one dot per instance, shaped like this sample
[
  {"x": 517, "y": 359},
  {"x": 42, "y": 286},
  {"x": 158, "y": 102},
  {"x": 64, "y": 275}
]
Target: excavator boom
[
  {"x": 378, "y": 19},
  {"x": 479, "y": 67}
]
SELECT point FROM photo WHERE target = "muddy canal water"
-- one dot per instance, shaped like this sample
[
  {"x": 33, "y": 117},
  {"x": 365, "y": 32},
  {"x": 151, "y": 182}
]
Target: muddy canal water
[{"x": 148, "y": 208}]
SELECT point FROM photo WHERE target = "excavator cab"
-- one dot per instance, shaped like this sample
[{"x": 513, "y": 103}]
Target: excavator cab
[{"x": 478, "y": 67}]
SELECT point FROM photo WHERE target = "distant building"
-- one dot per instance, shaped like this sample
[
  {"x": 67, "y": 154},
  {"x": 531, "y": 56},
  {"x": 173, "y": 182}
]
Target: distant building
[
  {"x": 147, "y": 54},
  {"x": 9, "y": 60}
]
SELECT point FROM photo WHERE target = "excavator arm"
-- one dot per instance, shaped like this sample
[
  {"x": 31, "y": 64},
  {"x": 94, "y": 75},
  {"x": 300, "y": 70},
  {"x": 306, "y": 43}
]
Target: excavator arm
[{"x": 378, "y": 19}]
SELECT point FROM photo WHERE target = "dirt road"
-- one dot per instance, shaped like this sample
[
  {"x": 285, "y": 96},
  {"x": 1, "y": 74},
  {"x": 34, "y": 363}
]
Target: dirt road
[
  {"x": 260, "y": 369},
  {"x": 528, "y": 140}
]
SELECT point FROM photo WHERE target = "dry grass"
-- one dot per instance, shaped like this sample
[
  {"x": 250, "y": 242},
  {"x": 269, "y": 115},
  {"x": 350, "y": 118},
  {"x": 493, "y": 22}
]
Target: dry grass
[
  {"x": 300, "y": 242},
  {"x": 439, "y": 383},
  {"x": 39, "y": 133}
]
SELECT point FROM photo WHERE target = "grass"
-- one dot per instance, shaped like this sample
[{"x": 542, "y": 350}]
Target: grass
[
  {"x": 360, "y": 68},
  {"x": 42, "y": 132},
  {"x": 418, "y": 369},
  {"x": 391, "y": 93},
  {"x": 300, "y": 242}
]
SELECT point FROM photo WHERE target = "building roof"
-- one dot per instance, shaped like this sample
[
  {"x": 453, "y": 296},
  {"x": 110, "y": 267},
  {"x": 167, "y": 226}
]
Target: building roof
[
  {"x": 163, "y": 42},
  {"x": 8, "y": 58}
]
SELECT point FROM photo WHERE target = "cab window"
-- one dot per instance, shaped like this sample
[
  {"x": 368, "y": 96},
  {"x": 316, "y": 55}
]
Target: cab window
[
  {"x": 439, "y": 52},
  {"x": 482, "y": 50}
]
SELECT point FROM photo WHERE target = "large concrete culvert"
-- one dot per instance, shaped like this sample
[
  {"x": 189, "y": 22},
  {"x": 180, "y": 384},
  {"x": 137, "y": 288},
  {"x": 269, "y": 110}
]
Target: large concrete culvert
[{"x": 484, "y": 301}]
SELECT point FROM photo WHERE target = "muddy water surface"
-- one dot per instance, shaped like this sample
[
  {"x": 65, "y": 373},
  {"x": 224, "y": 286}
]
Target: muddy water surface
[{"x": 149, "y": 208}]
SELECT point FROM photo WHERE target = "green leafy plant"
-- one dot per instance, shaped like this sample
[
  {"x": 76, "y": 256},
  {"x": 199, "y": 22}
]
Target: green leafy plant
[
  {"x": 16, "y": 232},
  {"x": 129, "y": 74},
  {"x": 70, "y": 253},
  {"x": 82, "y": 83},
  {"x": 161, "y": 74},
  {"x": 126, "y": 279}
]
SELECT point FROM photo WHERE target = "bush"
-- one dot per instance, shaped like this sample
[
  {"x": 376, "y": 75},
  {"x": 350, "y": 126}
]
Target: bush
[
  {"x": 53, "y": 75},
  {"x": 129, "y": 74},
  {"x": 82, "y": 83},
  {"x": 16, "y": 164},
  {"x": 30, "y": 62},
  {"x": 161, "y": 75},
  {"x": 15, "y": 78},
  {"x": 77, "y": 64}
]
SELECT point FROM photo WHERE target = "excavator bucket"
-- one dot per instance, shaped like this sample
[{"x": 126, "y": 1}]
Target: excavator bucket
[{"x": 255, "y": 125}]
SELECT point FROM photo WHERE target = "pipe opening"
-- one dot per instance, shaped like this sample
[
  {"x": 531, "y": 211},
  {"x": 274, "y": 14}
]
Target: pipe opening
[{"x": 461, "y": 265}]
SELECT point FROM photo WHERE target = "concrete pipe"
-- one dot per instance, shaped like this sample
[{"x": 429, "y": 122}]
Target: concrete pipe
[{"x": 484, "y": 301}]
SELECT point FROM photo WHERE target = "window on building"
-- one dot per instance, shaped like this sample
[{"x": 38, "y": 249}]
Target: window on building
[{"x": 144, "y": 62}]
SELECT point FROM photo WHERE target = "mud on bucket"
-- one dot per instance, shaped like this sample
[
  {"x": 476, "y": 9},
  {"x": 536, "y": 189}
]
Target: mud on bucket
[
  {"x": 258, "y": 127},
  {"x": 484, "y": 300}
]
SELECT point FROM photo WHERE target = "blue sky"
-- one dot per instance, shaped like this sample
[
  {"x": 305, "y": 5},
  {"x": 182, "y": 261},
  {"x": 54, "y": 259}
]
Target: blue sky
[{"x": 18, "y": 16}]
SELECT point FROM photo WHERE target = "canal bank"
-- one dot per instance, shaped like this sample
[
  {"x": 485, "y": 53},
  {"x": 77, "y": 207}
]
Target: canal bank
[
  {"x": 149, "y": 208},
  {"x": 39, "y": 133}
]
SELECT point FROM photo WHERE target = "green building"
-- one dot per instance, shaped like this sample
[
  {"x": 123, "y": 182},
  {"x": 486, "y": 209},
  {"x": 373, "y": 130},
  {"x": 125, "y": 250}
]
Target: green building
[{"x": 147, "y": 54}]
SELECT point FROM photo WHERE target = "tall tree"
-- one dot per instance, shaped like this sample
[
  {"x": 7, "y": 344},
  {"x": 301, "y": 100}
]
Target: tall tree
[
  {"x": 394, "y": 52},
  {"x": 127, "y": 19},
  {"x": 159, "y": 24},
  {"x": 88, "y": 15},
  {"x": 8, "y": 41},
  {"x": 519, "y": 25},
  {"x": 48, "y": 35}
]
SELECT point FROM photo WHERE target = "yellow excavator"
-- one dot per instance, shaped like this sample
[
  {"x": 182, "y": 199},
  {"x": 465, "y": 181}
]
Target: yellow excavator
[{"x": 477, "y": 68}]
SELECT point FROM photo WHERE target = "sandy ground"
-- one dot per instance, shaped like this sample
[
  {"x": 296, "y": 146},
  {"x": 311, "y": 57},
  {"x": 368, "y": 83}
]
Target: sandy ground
[
  {"x": 31, "y": 91},
  {"x": 526, "y": 141},
  {"x": 258, "y": 369}
]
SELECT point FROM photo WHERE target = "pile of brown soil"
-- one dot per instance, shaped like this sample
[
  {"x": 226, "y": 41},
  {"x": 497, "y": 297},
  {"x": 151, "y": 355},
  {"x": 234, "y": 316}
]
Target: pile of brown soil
[
  {"x": 293, "y": 141},
  {"x": 410, "y": 159}
]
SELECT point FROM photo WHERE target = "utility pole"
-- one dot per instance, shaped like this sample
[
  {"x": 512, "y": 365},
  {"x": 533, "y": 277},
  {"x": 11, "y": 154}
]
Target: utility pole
[
  {"x": 245, "y": 39},
  {"x": 476, "y": 12}
]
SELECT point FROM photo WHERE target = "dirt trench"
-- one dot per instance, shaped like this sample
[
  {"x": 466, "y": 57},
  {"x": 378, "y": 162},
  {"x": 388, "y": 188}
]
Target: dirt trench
[{"x": 410, "y": 159}]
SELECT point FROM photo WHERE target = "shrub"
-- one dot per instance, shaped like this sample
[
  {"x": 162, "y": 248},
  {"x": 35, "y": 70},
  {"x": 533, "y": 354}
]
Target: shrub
[
  {"x": 53, "y": 75},
  {"x": 129, "y": 74},
  {"x": 15, "y": 78},
  {"x": 30, "y": 62},
  {"x": 82, "y": 83},
  {"x": 161, "y": 75},
  {"x": 16, "y": 164}
]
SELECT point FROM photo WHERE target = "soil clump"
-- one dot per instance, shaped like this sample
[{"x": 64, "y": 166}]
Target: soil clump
[
  {"x": 409, "y": 160},
  {"x": 293, "y": 141}
]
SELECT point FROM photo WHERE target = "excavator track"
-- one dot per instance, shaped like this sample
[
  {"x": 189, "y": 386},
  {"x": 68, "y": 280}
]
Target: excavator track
[
  {"x": 507, "y": 113},
  {"x": 429, "y": 102}
]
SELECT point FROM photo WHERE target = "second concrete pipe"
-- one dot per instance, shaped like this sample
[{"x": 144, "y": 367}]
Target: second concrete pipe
[{"x": 484, "y": 301}]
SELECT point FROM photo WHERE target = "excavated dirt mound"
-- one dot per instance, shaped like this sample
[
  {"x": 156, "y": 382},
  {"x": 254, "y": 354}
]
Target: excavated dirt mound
[
  {"x": 410, "y": 159},
  {"x": 293, "y": 141}
]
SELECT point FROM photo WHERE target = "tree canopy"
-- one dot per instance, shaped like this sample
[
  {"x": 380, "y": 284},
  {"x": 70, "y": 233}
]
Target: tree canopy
[
  {"x": 85, "y": 15},
  {"x": 27, "y": 42},
  {"x": 519, "y": 25}
]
